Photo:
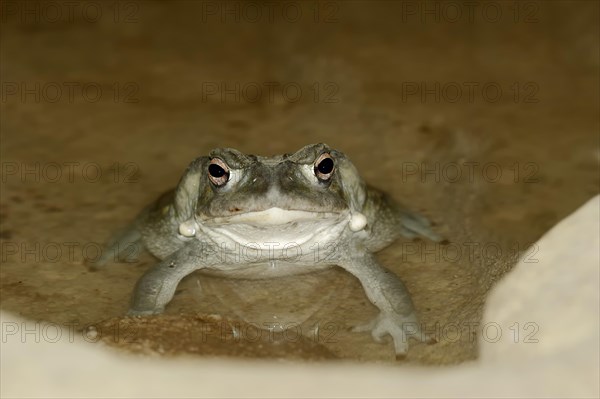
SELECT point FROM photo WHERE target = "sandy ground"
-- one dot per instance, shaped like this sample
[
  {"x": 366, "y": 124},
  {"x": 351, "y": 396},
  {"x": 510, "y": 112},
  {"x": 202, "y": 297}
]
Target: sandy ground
[{"x": 488, "y": 128}]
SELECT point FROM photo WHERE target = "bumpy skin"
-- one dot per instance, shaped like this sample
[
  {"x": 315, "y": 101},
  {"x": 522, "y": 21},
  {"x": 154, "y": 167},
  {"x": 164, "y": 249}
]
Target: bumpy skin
[{"x": 185, "y": 225}]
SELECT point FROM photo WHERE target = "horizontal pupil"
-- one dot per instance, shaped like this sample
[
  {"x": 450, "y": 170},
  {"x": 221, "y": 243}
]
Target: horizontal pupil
[
  {"x": 325, "y": 166},
  {"x": 216, "y": 170}
]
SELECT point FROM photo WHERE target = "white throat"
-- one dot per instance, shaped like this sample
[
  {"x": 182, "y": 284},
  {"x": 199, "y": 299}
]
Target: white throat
[{"x": 275, "y": 225}]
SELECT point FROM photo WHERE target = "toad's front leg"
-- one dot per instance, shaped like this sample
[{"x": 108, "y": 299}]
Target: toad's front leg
[
  {"x": 384, "y": 289},
  {"x": 157, "y": 286}
]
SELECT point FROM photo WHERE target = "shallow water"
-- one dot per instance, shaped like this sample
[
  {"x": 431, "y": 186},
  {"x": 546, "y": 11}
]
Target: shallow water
[{"x": 492, "y": 175}]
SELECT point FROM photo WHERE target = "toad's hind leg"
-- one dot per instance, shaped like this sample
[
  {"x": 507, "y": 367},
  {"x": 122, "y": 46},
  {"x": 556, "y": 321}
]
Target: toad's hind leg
[
  {"x": 412, "y": 225},
  {"x": 125, "y": 246},
  {"x": 392, "y": 220}
]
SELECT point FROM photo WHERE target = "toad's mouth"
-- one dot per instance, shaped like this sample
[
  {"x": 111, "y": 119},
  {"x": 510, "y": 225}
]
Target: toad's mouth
[
  {"x": 275, "y": 216},
  {"x": 276, "y": 225}
]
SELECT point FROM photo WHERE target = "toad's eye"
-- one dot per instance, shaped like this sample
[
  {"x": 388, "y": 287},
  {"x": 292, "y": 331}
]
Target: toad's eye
[
  {"x": 218, "y": 172},
  {"x": 324, "y": 167}
]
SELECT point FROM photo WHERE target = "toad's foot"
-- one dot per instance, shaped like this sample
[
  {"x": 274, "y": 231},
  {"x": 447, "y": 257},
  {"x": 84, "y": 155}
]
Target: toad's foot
[
  {"x": 399, "y": 327},
  {"x": 135, "y": 312}
]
